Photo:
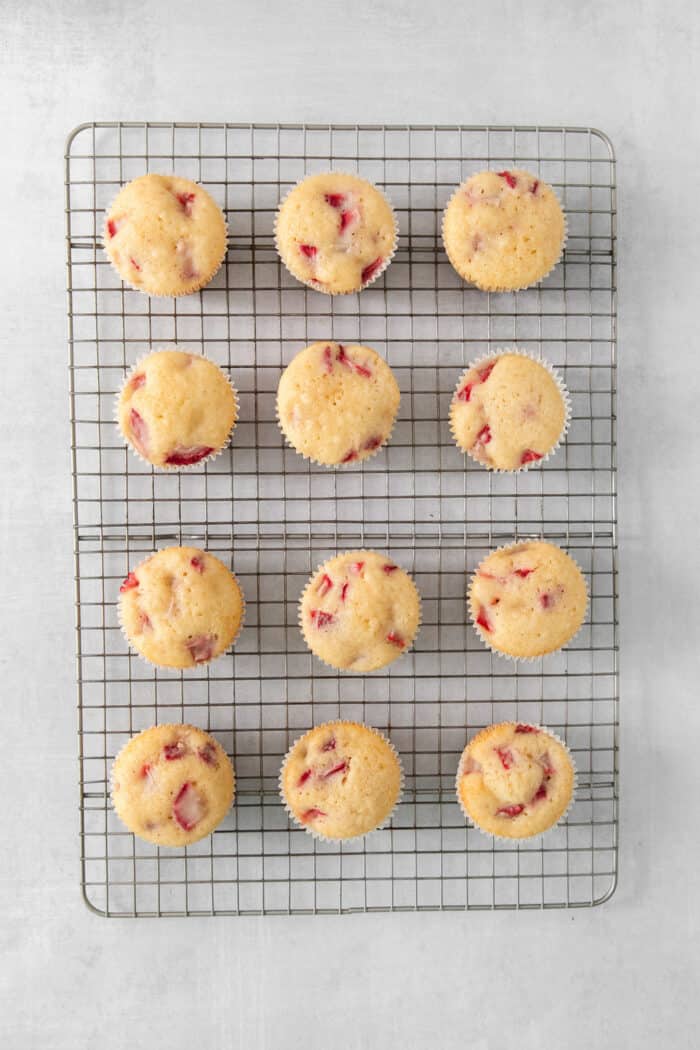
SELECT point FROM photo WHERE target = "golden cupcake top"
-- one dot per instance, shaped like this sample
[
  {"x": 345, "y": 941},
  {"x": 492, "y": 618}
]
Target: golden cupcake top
[
  {"x": 165, "y": 235},
  {"x": 181, "y": 607},
  {"x": 515, "y": 780},
  {"x": 503, "y": 230},
  {"x": 337, "y": 403},
  {"x": 341, "y": 780},
  {"x": 176, "y": 408},
  {"x": 172, "y": 784},
  {"x": 528, "y": 599},
  {"x": 335, "y": 232},
  {"x": 360, "y": 611},
  {"x": 507, "y": 412}
]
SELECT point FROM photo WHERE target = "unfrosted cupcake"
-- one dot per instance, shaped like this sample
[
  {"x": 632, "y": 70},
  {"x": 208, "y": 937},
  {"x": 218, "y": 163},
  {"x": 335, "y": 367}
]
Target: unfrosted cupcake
[
  {"x": 172, "y": 784},
  {"x": 335, "y": 232},
  {"x": 341, "y": 780},
  {"x": 176, "y": 409},
  {"x": 508, "y": 411},
  {"x": 165, "y": 235},
  {"x": 360, "y": 611},
  {"x": 180, "y": 607},
  {"x": 503, "y": 230},
  {"x": 337, "y": 404},
  {"x": 527, "y": 600},
  {"x": 515, "y": 780}
]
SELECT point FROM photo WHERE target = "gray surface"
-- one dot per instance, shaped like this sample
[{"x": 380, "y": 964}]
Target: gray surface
[{"x": 618, "y": 976}]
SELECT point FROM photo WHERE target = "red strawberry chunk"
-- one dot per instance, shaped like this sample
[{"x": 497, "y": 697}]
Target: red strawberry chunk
[
  {"x": 370, "y": 270},
  {"x": 484, "y": 435},
  {"x": 529, "y": 456},
  {"x": 134, "y": 263},
  {"x": 111, "y": 227},
  {"x": 522, "y": 728},
  {"x": 389, "y": 567},
  {"x": 325, "y": 585},
  {"x": 304, "y": 777},
  {"x": 311, "y": 814},
  {"x": 540, "y": 793},
  {"x": 483, "y": 620},
  {"x": 328, "y": 360},
  {"x": 546, "y": 600},
  {"x": 522, "y": 572},
  {"x": 340, "y": 767},
  {"x": 510, "y": 811},
  {"x": 336, "y": 200},
  {"x": 128, "y": 583},
  {"x": 360, "y": 370},
  {"x": 321, "y": 618},
  {"x": 371, "y": 444},
  {"x": 506, "y": 757},
  {"x": 185, "y": 456},
  {"x": 197, "y": 563},
  {"x": 145, "y": 769},
  {"x": 188, "y": 807},
  {"x": 509, "y": 177},
  {"x": 329, "y": 745},
  {"x": 348, "y": 217},
  {"x": 533, "y": 188},
  {"x": 139, "y": 432},
  {"x": 309, "y": 250},
  {"x": 349, "y": 456},
  {"x": 186, "y": 201},
  {"x": 344, "y": 591},
  {"x": 201, "y": 647},
  {"x": 137, "y": 381},
  {"x": 207, "y": 754},
  {"x": 357, "y": 567},
  {"x": 396, "y": 639},
  {"x": 466, "y": 392},
  {"x": 145, "y": 621},
  {"x": 485, "y": 372},
  {"x": 171, "y": 752}
]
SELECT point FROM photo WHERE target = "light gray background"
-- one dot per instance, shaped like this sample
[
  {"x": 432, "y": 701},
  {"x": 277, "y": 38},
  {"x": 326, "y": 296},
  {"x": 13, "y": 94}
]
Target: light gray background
[{"x": 624, "y": 975}]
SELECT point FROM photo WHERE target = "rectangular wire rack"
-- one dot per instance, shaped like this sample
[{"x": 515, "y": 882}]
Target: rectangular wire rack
[{"x": 273, "y": 517}]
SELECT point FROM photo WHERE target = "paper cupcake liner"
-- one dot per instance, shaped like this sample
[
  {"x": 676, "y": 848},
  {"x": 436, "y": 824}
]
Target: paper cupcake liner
[
  {"x": 346, "y": 670},
  {"x": 166, "y": 295},
  {"x": 377, "y": 274},
  {"x": 522, "y": 838},
  {"x": 352, "y": 463},
  {"x": 331, "y": 838},
  {"x": 480, "y": 632},
  {"x": 561, "y": 387},
  {"x": 202, "y": 663},
  {"x": 167, "y": 467},
  {"x": 497, "y": 289}
]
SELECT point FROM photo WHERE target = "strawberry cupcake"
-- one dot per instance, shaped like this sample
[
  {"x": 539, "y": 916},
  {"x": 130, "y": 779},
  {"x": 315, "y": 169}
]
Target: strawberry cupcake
[
  {"x": 176, "y": 409},
  {"x": 180, "y": 608},
  {"x": 527, "y": 600},
  {"x": 515, "y": 780},
  {"x": 509, "y": 411},
  {"x": 359, "y": 612},
  {"x": 172, "y": 784},
  {"x": 341, "y": 780},
  {"x": 337, "y": 404},
  {"x": 165, "y": 235},
  {"x": 336, "y": 233},
  {"x": 504, "y": 230}
]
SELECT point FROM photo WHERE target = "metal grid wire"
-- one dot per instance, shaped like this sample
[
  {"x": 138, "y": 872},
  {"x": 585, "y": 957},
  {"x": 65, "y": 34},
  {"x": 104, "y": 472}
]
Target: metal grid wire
[{"x": 273, "y": 517}]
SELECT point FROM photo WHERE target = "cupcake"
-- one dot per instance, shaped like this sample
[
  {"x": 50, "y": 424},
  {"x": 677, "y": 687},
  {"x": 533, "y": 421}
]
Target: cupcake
[
  {"x": 180, "y": 607},
  {"x": 509, "y": 411},
  {"x": 341, "y": 780},
  {"x": 165, "y": 235},
  {"x": 503, "y": 230},
  {"x": 527, "y": 600},
  {"x": 337, "y": 404},
  {"x": 176, "y": 409},
  {"x": 172, "y": 784},
  {"x": 359, "y": 612},
  {"x": 515, "y": 780},
  {"x": 335, "y": 232}
]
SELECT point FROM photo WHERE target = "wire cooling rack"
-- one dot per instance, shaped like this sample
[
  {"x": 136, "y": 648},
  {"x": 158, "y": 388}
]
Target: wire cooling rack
[{"x": 273, "y": 517}]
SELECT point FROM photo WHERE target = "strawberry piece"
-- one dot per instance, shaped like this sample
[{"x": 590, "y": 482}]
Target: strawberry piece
[
  {"x": 466, "y": 392},
  {"x": 357, "y": 567},
  {"x": 353, "y": 366},
  {"x": 485, "y": 372},
  {"x": 188, "y": 807},
  {"x": 510, "y": 811},
  {"x": 171, "y": 752},
  {"x": 186, "y": 201},
  {"x": 304, "y": 777},
  {"x": 371, "y": 444},
  {"x": 311, "y": 814},
  {"x": 509, "y": 177},
  {"x": 347, "y": 217},
  {"x": 325, "y": 585},
  {"x": 360, "y": 370},
  {"x": 336, "y": 200},
  {"x": 328, "y": 360},
  {"x": 484, "y": 435},
  {"x": 522, "y": 572},
  {"x": 533, "y": 188},
  {"x": 137, "y": 381},
  {"x": 343, "y": 357},
  {"x": 145, "y": 769},
  {"x": 134, "y": 263},
  {"x": 506, "y": 757},
  {"x": 201, "y": 647},
  {"x": 197, "y": 563},
  {"x": 329, "y": 745},
  {"x": 529, "y": 456},
  {"x": 186, "y": 456},
  {"x": 129, "y": 583},
  {"x": 139, "y": 432},
  {"x": 349, "y": 456},
  {"x": 344, "y": 591},
  {"x": 309, "y": 250},
  {"x": 483, "y": 620},
  {"x": 389, "y": 567},
  {"x": 111, "y": 227},
  {"x": 339, "y": 768},
  {"x": 540, "y": 793},
  {"x": 321, "y": 618},
  {"x": 396, "y": 640},
  {"x": 207, "y": 754},
  {"x": 522, "y": 728},
  {"x": 145, "y": 621},
  {"x": 546, "y": 600},
  {"x": 370, "y": 270}
]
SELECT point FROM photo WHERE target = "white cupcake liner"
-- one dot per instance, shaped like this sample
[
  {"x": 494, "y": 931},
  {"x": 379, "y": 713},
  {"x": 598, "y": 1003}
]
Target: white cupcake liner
[
  {"x": 561, "y": 387},
  {"x": 522, "y": 838},
  {"x": 170, "y": 725},
  {"x": 168, "y": 467},
  {"x": 378, "y": 273},
  {"x": 165, "y": 295},
  {"x": 174, "y": 671},
  {"x": 480, "y": 633},
  {"x": 331, "y": 838},
  {"x": 347, "y": 670},
  {"x": 520, "y": 288},
  {"x": 352, "y": 463}
]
